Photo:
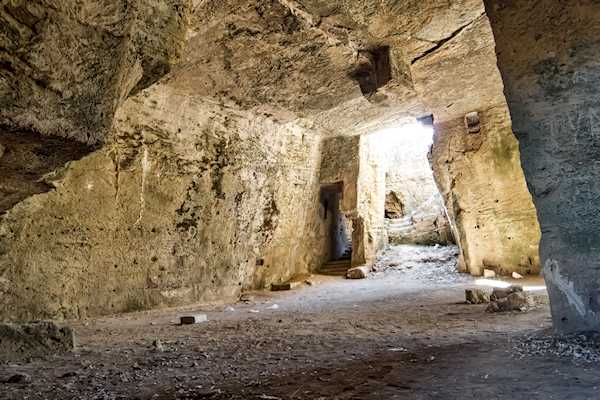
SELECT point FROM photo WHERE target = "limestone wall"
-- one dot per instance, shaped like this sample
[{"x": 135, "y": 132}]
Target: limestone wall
[
  {"x": 67, "y": 65},
  {"x": 355, "y": 162},
  {"x": 188, "y": 202},
  {"x": 481, "y": 180},
  {"x": 479, "y": 175},
  {"x": 340, "y": 162},
  {"x": 371, "y": 201},
  {"x": 548, "y": 56}
]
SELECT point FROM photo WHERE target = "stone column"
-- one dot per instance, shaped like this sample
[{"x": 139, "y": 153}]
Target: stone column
[{"x": 548, "y": 57}]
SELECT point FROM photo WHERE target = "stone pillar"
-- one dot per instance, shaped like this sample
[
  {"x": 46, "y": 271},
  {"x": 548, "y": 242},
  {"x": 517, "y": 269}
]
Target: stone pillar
[
  {"x": 548, "y": 57},
  {"x": 481, "y": 180}
]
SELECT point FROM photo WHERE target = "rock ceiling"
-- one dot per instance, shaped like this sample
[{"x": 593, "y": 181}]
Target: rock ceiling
[{"x": 345, "y": 66}]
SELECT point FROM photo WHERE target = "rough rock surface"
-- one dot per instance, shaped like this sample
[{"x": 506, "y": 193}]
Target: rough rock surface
[
  {"x": 482, "y": 183},
  {"x": 552, "y": 94},
  {"x": 517, "y": 301},
  {"x": 358, "y": 273},
  {"x": 180, "y": 207},
  {"x": 23, "y": 341},
  {"x": 353, "y": 162},
  {"x": 476, "y": 296},
  {"x": 479, "y": 174},
  {"x": 66, "y": 66},
  {"x": 26, "y": 158}
]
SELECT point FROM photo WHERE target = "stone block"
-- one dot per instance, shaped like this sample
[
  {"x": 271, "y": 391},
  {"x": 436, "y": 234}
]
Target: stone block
[
  {"x": 193, "y": 319},
  {"x": 488, "y": 273},
  {"x": 278, "y": 287},
  {"x": 517, "y": 301},
  {"x": 22, "y": 341},
  {"x": 476, "y": 296},
  {"x": 502, "y": 293},
  {"x": 358, "y": 273}
]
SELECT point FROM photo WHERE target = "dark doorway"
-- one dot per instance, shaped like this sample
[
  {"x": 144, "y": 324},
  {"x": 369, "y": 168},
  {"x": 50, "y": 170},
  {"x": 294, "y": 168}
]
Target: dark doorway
[{"x": 340, "y": 227}]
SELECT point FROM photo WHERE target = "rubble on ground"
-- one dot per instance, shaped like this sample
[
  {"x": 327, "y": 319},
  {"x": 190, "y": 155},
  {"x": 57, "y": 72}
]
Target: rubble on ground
[
  {"x": 580, "y": 348},
  {"x": 436, "y": 264},
  {"x": 358, "y": 273},
  {"x": 476, "y": 296},
  {"x": 512, "y": 298},
  {"x": 38, "y": 339}
]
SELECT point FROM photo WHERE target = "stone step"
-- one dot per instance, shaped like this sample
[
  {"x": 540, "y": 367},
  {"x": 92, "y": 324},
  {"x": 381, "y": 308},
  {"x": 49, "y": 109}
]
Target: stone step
[
  {"x": 334, "y": 273},
  {"x": 339, "y": 269},
  {"x": 339, "y": 262}
]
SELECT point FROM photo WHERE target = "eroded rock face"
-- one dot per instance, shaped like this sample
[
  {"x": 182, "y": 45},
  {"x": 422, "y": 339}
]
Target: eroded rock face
[
  {"x": 66, "y": 66},
  {"x": 179, "y": 207},
  {"x": 26, "y": 158},
  {"x": 478, "y": 173},
  {"x": 552, "y": 94},
  {"x": 481, "y": 180}
]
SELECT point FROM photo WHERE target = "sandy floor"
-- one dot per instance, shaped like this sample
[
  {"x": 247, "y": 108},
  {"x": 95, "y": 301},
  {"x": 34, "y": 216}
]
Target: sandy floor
[{"x": 404, "y": 333}]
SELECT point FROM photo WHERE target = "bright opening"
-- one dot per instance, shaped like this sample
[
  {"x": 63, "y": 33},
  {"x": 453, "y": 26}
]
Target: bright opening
[{"x": 414, "y": 209}]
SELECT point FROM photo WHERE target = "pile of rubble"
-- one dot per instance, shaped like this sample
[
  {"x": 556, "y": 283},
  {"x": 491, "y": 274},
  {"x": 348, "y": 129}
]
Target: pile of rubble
[
  {"x": 581, "y": 348},
  {"x": 512, "y": 298},
  {"x": 432, "y": 264}
]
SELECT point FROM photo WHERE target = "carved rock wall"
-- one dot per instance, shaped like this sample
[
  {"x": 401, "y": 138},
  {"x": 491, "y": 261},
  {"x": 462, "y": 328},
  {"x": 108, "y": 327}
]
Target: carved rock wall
[
  {"x": 548, "y": 56},
  {"x": 481, "y": 180},
  {"x": 479, "y": 175},
  {"x": 355, "y": 162},
  {"x": 67, "y": 65},
  {"x": 187, "y": 202},
  {"x": 371, "y": 201}
]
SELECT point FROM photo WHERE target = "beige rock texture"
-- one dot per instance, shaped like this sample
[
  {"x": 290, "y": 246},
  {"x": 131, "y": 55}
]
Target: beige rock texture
[
  {"x": 358, "y": 273},
  {"x": 482, "y": 182},
  {"x": 67, "y": 65},
  {"x": 479, "y": 175},
  {"x": 179, "y": 207}
]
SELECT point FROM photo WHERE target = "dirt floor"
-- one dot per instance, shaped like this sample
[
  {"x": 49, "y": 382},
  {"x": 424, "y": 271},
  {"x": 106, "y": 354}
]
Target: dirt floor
[{"x": 404, "y": 333}]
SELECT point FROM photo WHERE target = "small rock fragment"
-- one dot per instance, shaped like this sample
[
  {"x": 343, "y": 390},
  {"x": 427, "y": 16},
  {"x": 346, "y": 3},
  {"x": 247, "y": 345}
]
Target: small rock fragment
[
  {"x": 193, "y": 319},
  {"x": 246, "y": 298},
  {"x": 488, "y": 273},
  {"x": 517, "y": 301},
  {"x": 502, "y": 293},
  {"x": 358, "y": 273},
  {"x": 476, "y": 296},
  {"x": 516, "y": 275},
  {"x": 278, "y": 287},
  {"x": 493, "y": 307},
  {"x": 158, "y": 346},
  {"x": 273, "y": 307}
]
